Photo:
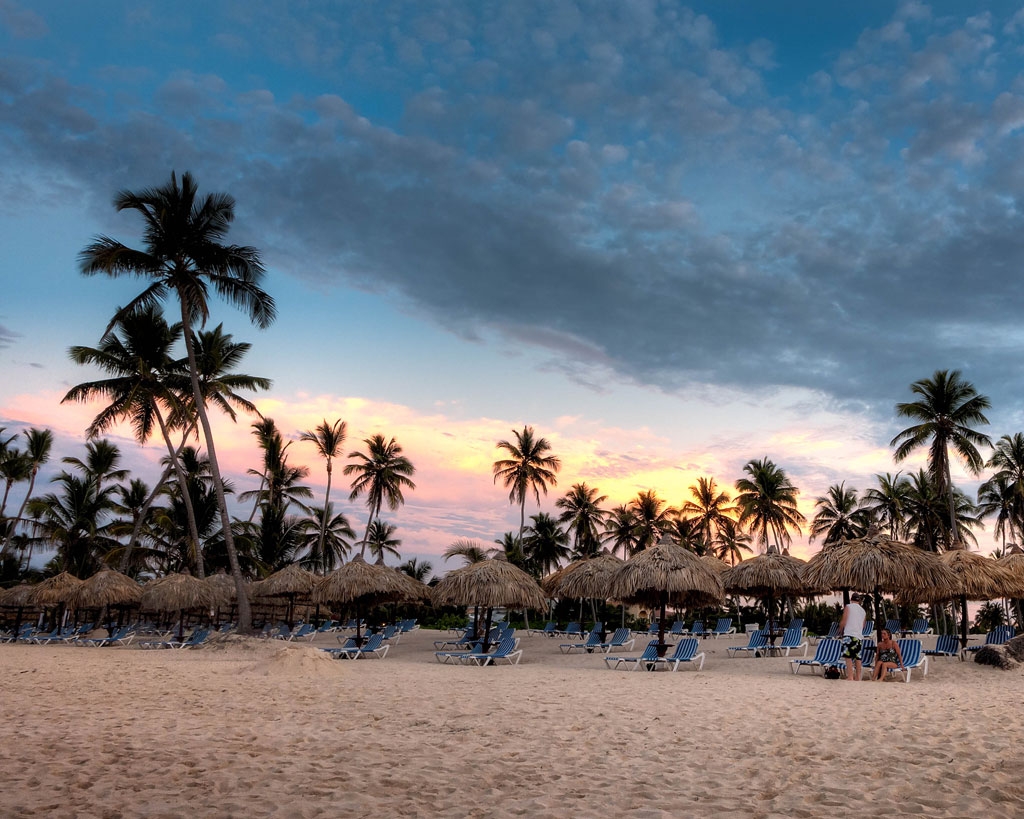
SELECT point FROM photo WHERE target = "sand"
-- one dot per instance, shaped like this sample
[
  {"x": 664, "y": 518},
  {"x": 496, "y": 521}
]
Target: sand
[{"x": 254, "y": 729}]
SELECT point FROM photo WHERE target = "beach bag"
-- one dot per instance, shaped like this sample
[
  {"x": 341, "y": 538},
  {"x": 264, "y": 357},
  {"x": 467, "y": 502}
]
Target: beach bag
[{"x": 832, "y": 673}]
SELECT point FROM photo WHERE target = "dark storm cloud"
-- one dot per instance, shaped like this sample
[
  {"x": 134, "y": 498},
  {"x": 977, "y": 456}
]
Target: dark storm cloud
[{"x": 613, "y": 187}]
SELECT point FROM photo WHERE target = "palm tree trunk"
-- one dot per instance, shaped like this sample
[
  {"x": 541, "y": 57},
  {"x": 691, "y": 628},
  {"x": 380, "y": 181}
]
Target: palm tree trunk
[
  {"x": 7, "y": 491},
  {"x": 366, "y": 537},
  {"x": 186, "y": 496},
  {"x": 327, "y": 505},
  {"x": 21, "y": 509},
  {"x": 244, "y": 610}
]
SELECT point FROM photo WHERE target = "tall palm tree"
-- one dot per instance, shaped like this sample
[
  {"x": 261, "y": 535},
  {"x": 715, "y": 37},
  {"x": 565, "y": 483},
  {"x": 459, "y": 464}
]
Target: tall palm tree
[
  {"x": 710, "y": 509},
  {"x": 768, "y": 505},
  {"x": 946, "y": 410},
  {"x": 416, "y": 570},
  {"x": 1008, "y": 461},
  {"x": 686, "y": 533},
  {"x": 38, "y": 443},
  {"x": 839, "y": 516},
  {"x": 528, "y": 468},
  {"x": 14, "y": 468},
  {"x": 328, "y": 540},
  {"x": 621, "y": 529},
  {"x": 183, "y": 255},
  {"x": 731, "y": 543},
  {"x": 652, "y": 518},
  {"x": 328, "y": 440},
  {"x": 998, "y": 496},
  {"x": 380, "y": 540},
  {"x": 382, "y": 472},
  {"x": 581, "y": 510},
  {"x": 887, "y": 502},
  {"x": 927, "y": 508}
]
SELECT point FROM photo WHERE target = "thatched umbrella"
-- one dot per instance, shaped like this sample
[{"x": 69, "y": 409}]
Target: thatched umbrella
[
  {"x": 54, "y": 590},
  {"x": 665, "y": 574},
  {"x": 106, "y": 588},
  {"x": 1014, "y": 561},
  {"x": 360, "y": 584},
  {"x": 587, "y": 578},
  {"x": 224, "y": 590},
  {"x": 176, "y": 593},
  {"x": 977, "y": 578},
  {"x": 715, "y": 563},
  {"x": 17, "y": 597},
  {"x": 290, "y": 582},
  {"x": 876, "y": 564},
  {"x": 489, "y": 583},
  {"x": 766, "y": 575}
]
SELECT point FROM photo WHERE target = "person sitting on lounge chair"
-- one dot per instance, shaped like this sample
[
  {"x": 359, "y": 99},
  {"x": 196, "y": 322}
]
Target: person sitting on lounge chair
[{"x": 888, "y": 657}]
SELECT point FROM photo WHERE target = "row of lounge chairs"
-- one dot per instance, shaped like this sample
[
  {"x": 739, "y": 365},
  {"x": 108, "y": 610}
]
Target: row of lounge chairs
[
  {"x": 829, "y": 654},
  {"x": 685, "y": 651}
]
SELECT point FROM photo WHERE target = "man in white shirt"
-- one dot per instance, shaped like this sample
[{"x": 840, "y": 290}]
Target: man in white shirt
[{"x": 852, "y": 627}]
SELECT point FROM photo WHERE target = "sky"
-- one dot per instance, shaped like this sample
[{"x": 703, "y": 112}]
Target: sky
[{"x": 671, "y": 238}]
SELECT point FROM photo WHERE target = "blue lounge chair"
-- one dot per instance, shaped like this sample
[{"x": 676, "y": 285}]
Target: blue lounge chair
[
  {"x": 549, "y": 630},
  {"x": 649, "y": 656},
  {"x": 622, "y": 638},
  {"x": 757, "y": 642},
  {"x": 593, "y": 641},
  {"x": 373, "y": 647},
  {"x": 121, "y": 636},
  {"x": 678, "y": 629},
  {"x": 685, "y": 652},
  {"x": 946, "y": 645},
  {"x": 465, "y": 640},
  {"x": 893, "y": 626},
  {"x": 869, "y": 628},
  {"x": 197, "y": 638},
  {"x": 24, "y": 633},
  {"x": 791, "y": 640},
  {"x": 58, "y": 635},
  {"x": 796, "y": 622},
  {"x": 723, "y": 628},
  {"x": 697, "y": 629},
  {"x": 506, "y": 651},
  {"x": 304, "y": 632},
  {"x": 572, "y": 630},
  {"x": 1000, "y": 635},
  {"x": 868, "y": 652},
  {"x": 913, "y": 658},
  {"x": 827, "y": 654},
  {"x": 833, "y": 632},
  {"x": 408, "y": 625},
  {"x": 920, "y": 627}
]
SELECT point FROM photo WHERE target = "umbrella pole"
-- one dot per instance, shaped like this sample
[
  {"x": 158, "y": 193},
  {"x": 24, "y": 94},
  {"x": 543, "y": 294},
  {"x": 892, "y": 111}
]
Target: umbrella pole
[
  {"x": 771, "y": 623},
  {"x": 963, "y": 626},
  {"x": 487, "y": 630},
  {"x": 359, "y": 624},
  {"x": 662, "y": 647}
]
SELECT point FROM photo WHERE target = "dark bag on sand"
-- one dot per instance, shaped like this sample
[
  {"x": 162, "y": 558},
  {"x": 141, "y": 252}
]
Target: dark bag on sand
[{"x": 832, "y": 673}]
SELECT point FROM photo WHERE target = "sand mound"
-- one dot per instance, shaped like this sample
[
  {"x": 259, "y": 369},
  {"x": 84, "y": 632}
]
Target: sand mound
[{"x": 292, "y": 661}]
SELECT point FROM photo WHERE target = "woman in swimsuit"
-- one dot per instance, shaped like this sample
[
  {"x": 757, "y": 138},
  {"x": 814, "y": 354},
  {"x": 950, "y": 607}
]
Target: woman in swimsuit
[{"x": 888, "y": 657}]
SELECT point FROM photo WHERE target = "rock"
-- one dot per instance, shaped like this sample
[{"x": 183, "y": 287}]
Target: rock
[
  {"x": 1015, "y": 648},
  {"x": 995, "y": 656}
]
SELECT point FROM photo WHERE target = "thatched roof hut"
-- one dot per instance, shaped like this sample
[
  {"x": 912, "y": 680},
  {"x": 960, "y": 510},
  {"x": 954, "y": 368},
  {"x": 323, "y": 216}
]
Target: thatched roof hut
[
  {"x": 590, "y": 577},
  {"x": 769, "y": 575},
  {"x": 176, "y": 592},
  {"x": 290, "y": 581},
  {"x": 224, "y": 590},
  {"x": 714, "y": 563},
  {"x": 17, "y": 597}
]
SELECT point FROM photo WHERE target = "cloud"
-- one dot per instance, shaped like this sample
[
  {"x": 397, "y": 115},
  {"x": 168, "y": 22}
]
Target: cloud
[{"x": 21, "y": 22}]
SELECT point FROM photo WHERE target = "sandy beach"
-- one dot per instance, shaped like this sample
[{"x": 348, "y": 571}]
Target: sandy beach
[{"x": 272, "y": 730}]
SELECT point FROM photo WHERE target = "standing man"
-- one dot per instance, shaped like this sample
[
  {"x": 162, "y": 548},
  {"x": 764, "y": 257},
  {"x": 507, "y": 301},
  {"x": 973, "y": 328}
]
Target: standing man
[{"x": 852, "y": 627}]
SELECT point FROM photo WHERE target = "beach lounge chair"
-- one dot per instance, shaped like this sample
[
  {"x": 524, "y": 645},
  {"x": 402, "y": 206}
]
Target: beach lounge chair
[
  {"x": 869, "y": 628},
  {"x": 549, "y": 630},
  {"x": 678, "y": 629},
  {"x": 697, "y": 629},
  {"x": 913, "y": 658},
  {"x": 573, "y": 630},
  {"x": 622, "y": 638},
  {"x": 194, "y": 640},
  {"x": 893, "y": 626},
  {"x": 373, "y": 647},
  {"x": 650, "y": 655},
  {"x": 920, "y": 627},
  {"x": 392, "y": 633},
  {"x": 1000, "y": 635},
  {"x": 757, "y": 641},
  {"x": 121, "y": 636},
  {"x": 465, "y": 640},
  {"x": 723, "y": 628},
  {"x": 832, "y": 634},
  {"x": 408, "y": 625},
  {"x": 593, "y": 641},
  {"x": 828, "y": 653},
  {"x": 791, "y": 640},
  {"x": 24, "y": 633},
  {"x": 303, "y": 632},
  {"x": 507, "y": 651},
  {"x": 58, "y": 635},
  {"x": 685, "y": 652},
  {"x": 946, "y": 645}
]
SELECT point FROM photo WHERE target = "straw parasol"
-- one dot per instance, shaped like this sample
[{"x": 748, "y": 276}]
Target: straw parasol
[
  {"x": 766, "y": 575},
  {"x": 106, "y": 588},
  {"x": 290, "y": 582},
  {"x": 665, "y": 574},
  {"x": 16, "y": 597},
  {"x": 715, "y": 563},
  {"x": 876, "y": 564},
  {"x": 977, "y": 578},
  {"x": 489, "y": 583},
  {"x": 223, "y": 588},
  {"x": 587, "y": 578},
  {"x": 54, "y": 590},
  {"x": 176, "y": 593},
  {"x": 366, "y": 584}
]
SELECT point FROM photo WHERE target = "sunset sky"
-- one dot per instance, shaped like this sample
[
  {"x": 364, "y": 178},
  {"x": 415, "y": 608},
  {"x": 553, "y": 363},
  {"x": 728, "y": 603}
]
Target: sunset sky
[{"x": 672, "y": 238}]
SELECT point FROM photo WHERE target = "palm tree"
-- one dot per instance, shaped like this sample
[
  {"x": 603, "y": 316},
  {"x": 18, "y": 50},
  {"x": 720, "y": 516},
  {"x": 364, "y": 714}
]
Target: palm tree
[
  {"x": 38, "y": 443},
  {"x": 731, "y": 543},
  {"x": 382, "y": 473},
  {"x": 14, "y": 468},
  {"x": 74, "y": 521},
  {"x": 545, "y": 545},
  {"x": 710, "y": 509},
  {"x": 767, "y": 502},
  {"x": 581, "y": 509},
  {"x": 380, "y": 540},
  {"x": 887, "y": 503},
  {"x": 946, "y": 409},
  {"x": 471, "y": 551},
  {"x": 839, "y": 516},
  {"x": 1008, "y": 461},
  {"x": 621, "y": 530},
  {"x": 511, "y": 548},
  {"x": 652, "y": 519},
  {"x": 998, "y": 496},
  {"x": 416, "y": 570},
  {"x": 183, "y": 255},
  {"x": 328, "y": 440},
  {"x": 328, "y": 543},
  {"x": 528, "y": 468},
  {"x": 686, "y": 533}
]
